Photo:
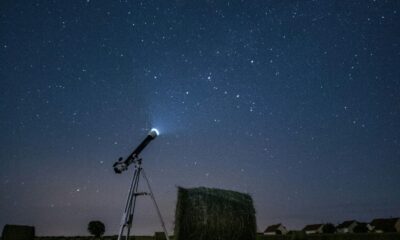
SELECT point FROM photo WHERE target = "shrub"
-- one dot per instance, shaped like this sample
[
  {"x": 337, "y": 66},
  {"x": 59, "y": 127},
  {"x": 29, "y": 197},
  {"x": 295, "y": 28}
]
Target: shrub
[
  {"x": 298, "y": 235},
  {"x": 328, "y": 228},
  {"x": 159, "y": 236},
  {"x": 96, "y": 228}
]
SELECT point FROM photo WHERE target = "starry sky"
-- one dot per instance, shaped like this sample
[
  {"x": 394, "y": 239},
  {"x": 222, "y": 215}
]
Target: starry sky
[{"x": 295, "y": 102}]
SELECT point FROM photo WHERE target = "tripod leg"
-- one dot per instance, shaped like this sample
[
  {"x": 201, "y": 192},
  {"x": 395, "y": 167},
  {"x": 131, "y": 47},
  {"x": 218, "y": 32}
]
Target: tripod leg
[
  {"x": 133, "y": 202},
  {"x": 155, "y": 205},
  {"x": 128, "y": 207}
]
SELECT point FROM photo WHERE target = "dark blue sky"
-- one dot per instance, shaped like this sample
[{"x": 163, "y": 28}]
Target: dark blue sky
[{"x": 294, "y": 102}]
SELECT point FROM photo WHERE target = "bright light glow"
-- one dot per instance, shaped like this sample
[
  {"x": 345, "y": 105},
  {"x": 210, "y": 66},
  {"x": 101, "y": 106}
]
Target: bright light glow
[{"x": 155, "y": 130}]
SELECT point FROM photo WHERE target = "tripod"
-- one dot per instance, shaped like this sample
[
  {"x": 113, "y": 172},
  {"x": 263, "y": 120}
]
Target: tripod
[{"x": 127, "y": 216}]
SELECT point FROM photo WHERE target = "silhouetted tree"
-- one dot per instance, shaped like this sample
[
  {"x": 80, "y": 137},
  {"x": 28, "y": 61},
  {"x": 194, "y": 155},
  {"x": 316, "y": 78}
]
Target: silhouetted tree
[
  {"x": 361, "y": 228},
  {"x": 329, "y": 228},
  {"x": 298, "y": 235},
  {"x": 96, "y": 228}
]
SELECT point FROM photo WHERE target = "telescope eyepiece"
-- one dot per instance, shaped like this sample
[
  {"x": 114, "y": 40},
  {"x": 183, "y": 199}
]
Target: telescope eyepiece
[{"x": 120, "y": 166}]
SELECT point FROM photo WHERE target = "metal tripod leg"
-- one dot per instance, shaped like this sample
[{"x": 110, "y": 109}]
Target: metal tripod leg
[
  {"x": 127, "y": 217},
  {"x": 156, "y": 206}
]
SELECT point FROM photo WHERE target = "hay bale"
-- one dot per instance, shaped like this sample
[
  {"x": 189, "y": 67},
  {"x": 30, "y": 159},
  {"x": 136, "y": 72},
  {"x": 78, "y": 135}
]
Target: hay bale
[
  {"x": 214, "y": 214},
  {"x": 16, "y": 232}
]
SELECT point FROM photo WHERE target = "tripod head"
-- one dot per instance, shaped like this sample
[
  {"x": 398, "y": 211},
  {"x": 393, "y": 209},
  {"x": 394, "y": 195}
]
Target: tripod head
[{"x": 122, "y": 165}]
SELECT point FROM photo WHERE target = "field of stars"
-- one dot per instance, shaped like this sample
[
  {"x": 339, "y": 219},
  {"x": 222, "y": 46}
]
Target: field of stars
[{"x": 295, "y": 102}]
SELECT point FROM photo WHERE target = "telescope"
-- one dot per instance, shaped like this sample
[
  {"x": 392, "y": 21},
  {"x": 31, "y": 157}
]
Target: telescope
[{"x": 122, "y": 165}]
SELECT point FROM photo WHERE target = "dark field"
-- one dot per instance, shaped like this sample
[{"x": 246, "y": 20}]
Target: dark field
[{"x": 354, "y": 236}]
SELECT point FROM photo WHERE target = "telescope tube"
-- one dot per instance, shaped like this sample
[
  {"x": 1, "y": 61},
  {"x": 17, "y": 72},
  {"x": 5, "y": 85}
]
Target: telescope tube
[{"x": 122, "y": 165}]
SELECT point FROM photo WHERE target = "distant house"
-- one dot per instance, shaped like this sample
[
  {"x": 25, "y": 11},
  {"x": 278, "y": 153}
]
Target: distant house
[
  {"x": 347, "y": 226},
  {"x": 381, "y": 225},
  {"x": 276, "y": 229},
  {"x": 313, "y": 228}
]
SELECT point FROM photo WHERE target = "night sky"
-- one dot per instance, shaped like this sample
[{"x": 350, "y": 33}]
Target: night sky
[{"x": 295, "y": 102}]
